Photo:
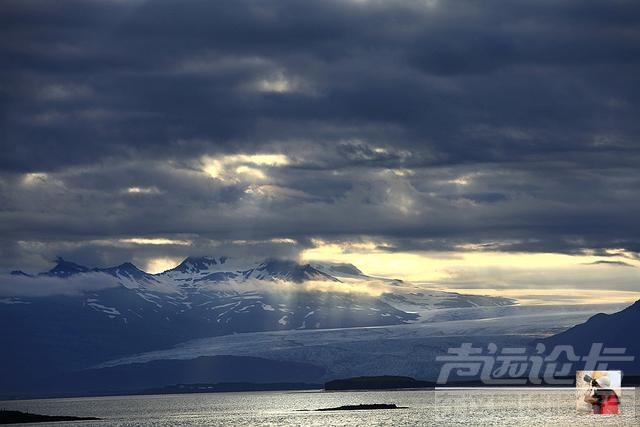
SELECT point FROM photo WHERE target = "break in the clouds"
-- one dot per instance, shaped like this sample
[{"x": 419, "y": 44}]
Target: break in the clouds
[{"x": 149, "y": 130}]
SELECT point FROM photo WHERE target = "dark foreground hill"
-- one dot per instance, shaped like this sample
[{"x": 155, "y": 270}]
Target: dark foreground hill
[
  {"x": 18, "y": 417},
  {"x": 617, "y": 331}
]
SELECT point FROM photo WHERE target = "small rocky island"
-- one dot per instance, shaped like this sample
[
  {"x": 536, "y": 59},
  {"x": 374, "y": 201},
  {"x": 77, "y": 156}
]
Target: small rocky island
[
  {"x": 18, "y": 417},
  {"x": 363, "y": 406}
]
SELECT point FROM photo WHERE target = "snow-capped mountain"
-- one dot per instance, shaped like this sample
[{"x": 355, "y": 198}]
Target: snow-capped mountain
[
  {"x": 64, "y": 268},
  {"x": 229, "y": 296},
  {"x": 126, "y": 310},
  {"x": 127, "y": 270},
  {"x": 226, "y": 295},
  {"x": 198, "y": 269}
]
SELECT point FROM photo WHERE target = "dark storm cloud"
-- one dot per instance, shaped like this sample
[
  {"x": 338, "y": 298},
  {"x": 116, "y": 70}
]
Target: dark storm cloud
[{"x": 427, "y": 124}]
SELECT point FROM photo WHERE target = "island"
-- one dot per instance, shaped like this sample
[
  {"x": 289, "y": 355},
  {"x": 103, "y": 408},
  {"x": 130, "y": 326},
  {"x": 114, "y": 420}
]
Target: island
[
  {"x": 364, "y": 406},
  {"x": 18, "y": 417}
]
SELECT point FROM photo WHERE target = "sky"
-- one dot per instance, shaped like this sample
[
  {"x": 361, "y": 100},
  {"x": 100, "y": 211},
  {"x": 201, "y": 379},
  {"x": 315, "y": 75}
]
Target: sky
[{"x": 490, "y": 146}]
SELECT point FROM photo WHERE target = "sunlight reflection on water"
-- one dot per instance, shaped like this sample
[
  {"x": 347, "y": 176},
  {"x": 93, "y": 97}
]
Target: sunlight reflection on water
[{"x": 476, "y": 407}]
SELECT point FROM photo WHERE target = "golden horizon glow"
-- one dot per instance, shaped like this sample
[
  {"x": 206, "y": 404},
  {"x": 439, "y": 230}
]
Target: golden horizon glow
[
  {"x": 528, "y": 277},
  {"x": 555, "y": 296},
  {"x": 421, "y": 266}
]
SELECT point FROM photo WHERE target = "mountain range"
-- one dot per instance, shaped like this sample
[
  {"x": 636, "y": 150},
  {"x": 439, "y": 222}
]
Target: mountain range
[
  {"x": 81, "y": 330},
  {"x": 62, "y": 326}
]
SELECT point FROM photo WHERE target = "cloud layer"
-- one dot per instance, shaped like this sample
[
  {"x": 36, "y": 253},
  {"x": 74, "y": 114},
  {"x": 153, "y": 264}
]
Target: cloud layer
[
  {"x": 250, "y": 127},
  {"x": 43, "y": 286}
]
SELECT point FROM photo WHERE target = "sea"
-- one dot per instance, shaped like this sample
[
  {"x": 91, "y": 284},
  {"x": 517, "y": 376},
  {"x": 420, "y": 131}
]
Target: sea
[{"x": 478, "y": 407}]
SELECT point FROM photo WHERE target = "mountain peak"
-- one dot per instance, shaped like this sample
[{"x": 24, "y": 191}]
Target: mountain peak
[
  {"x": 125, "y": 266},
  {"x": 124, "y": 269},
  {"x": 292, "y": 270},
  {"x": 128, "y": 266},
  {"x": 338, "y": 268},
  {"x": 64, "y": 268},
  {"x": 194, "y": 264}
]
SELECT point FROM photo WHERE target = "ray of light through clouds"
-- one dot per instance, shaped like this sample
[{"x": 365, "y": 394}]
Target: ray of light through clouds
[{"x": 490, "y": 147}]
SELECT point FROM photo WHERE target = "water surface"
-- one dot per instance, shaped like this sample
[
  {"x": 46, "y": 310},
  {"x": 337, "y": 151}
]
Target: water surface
[{"x": 425, "y": 407}]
